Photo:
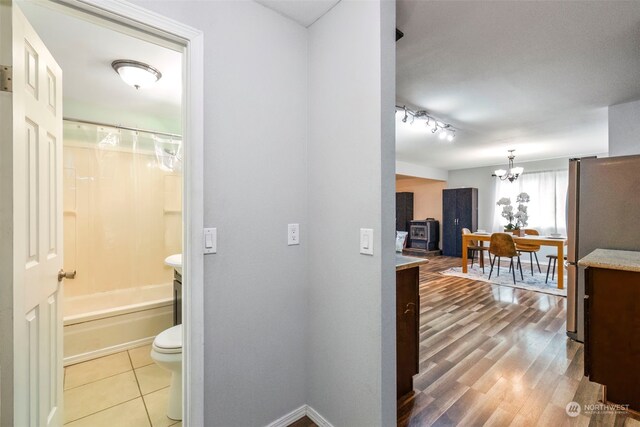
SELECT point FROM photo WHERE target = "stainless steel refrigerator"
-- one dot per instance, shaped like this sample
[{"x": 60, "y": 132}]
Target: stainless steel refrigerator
[{"x": 603, "y": 211}]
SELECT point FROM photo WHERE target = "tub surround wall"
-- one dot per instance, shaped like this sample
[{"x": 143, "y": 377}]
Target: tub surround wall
[{"x": 122, "y": 217}]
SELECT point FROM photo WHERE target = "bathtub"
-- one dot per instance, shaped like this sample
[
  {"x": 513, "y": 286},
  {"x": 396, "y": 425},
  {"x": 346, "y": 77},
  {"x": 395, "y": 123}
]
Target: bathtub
[{"x": 109, "y": 322}]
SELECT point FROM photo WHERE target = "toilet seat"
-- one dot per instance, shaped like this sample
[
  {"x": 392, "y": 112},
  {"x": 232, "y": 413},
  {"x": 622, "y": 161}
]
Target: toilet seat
[{"x": 169, "y": 341}]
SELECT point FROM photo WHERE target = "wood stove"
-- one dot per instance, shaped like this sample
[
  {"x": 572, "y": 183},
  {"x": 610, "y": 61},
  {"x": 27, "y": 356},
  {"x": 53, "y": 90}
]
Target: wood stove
[{"x": 424, "y": 234}]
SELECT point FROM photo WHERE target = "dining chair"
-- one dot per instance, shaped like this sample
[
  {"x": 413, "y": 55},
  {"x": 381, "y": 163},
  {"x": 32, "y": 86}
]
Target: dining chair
[
  {"x": 532, "y": 249},
  {"x": 554, "y": 259},
  {"x": 501, "y": 245},
  {"x": 474, "y": 248}
]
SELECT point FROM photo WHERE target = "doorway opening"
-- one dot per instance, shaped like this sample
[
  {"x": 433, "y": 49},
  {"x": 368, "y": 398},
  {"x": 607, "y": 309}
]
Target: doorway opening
[
  {"x": 117, "y": 169},
  {"x": 122, "y": 221}
]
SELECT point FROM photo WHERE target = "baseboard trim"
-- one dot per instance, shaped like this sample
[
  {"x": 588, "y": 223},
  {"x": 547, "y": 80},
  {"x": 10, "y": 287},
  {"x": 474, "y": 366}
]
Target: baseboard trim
[
  {"x": 317, "y": 418},
  {"x": 297, "y": 414},
  {"x": 71, "y": 360},
  {"x": 289, "y": 418}
]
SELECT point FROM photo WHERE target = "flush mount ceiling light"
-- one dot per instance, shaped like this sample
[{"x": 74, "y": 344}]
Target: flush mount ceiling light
[
  {"x": 136, "y": 74},
  {"x": 511, "y": 173},
  {"x": 444, "y": 130}
]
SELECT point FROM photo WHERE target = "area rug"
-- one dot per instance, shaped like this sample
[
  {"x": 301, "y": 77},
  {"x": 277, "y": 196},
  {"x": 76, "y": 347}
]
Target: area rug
[{"x": 532, "y": 283}]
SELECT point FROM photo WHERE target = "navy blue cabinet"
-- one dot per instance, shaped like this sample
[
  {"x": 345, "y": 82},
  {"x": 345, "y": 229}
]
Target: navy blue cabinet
[
  {"x": 459, "y": 210},
  {"x": 404, "y": 210}
]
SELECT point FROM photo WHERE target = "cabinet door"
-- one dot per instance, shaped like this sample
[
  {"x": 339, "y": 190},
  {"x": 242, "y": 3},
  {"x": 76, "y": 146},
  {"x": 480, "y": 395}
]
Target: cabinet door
[
  {"x": 404, "y": 210},
  {"x": 458, "y": 250},
  {"x": 588, "y": 285},
  {"x": 449, "y": 217},
  {"x": 407, "y": 329},
  {"x": 465, "y": 208},
  {"x": 612, "y": 339}
]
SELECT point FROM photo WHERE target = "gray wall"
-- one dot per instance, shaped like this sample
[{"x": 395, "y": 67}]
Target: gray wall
[
  {"x": 255, "y": 184},
  {"x": 290, "y": 115},
  {"x": 349, "y": 82},
  {"x": 624, "y": 129},
  {"x": 255, "y": 135},
  {"x": 481, "y": 179}
]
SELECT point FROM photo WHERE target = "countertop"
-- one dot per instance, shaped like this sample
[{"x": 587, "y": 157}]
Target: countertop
[
  {"x": 405, "y": 262},
  {"x": 612, "y": 260}
]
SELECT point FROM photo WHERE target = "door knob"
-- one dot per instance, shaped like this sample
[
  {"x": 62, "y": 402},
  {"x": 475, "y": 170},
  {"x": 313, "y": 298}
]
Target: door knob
[{"x": 66, "y": 275}]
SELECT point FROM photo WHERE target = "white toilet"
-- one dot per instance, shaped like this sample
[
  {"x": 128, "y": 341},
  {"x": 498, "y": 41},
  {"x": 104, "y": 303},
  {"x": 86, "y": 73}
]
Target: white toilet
[{"x": 166, "y": 351}]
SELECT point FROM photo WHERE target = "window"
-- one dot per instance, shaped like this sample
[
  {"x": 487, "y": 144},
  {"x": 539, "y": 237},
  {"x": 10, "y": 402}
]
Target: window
[{"x": 548, "y": 205}]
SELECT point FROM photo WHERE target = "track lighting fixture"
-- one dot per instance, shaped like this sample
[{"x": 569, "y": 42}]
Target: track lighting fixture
[{"x": 444, "y": 130}]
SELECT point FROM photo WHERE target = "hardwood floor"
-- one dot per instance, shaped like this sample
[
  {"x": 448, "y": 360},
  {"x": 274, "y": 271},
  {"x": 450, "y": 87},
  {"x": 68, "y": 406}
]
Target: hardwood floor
[
  {"x": 494, "y": 355},
  {"x": 303, "y": 422}
]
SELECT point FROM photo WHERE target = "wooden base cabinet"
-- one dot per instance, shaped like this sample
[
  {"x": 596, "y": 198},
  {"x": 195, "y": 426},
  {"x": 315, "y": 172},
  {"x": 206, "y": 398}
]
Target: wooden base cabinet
[
  {"x": 612, "y": 333},
  {"x": 407, "y": 328}
]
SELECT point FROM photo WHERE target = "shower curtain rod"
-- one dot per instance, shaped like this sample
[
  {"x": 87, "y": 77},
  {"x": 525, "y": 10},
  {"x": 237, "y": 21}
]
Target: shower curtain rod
[{"x": 89, "y": 122}]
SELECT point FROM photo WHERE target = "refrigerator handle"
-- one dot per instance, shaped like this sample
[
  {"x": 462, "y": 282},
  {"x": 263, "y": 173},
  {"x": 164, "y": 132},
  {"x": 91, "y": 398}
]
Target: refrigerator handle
[
  {"x": 573, "y": 194},
  {"x": 572, "y": 298}
]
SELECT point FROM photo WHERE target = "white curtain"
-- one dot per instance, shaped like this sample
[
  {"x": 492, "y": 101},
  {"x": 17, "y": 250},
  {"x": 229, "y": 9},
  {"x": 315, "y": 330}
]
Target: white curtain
[{"x": 547, "y": 207}]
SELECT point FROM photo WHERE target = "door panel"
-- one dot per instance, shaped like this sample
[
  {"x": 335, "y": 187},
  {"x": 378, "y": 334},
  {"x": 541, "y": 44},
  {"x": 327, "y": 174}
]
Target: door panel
[
  {"x": 37, "y": 227},
  {"x": 31, "y": 190},
  {"x": 449, "y": 222},
  {"x": 464, "y": 208},
  {"x": 407, "y": 329}
]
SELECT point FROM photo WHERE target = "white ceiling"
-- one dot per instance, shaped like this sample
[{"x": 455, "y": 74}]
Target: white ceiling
[
  {"x": 92, "y": 88},
  {"x": 304, "y": 12},
  {"x": 533, "y": 76}
]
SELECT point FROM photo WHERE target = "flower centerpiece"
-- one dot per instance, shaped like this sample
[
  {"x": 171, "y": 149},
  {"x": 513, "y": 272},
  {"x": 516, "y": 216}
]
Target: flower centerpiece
[
  {"x": 516, "y": 219},
  {"x": 507, "y": 213},
  {"x": 522, "y": 217}
]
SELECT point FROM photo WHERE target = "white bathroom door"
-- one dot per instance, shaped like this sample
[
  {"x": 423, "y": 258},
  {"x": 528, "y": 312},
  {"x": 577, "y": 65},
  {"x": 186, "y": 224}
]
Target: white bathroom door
[{"x": 32, "y": 104}]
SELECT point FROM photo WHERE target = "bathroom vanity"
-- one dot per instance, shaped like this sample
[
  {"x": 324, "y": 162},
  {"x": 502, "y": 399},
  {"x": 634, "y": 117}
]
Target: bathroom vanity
[
  {"x": 175, "y": 261},
  {"x": 407, "y": 321}
]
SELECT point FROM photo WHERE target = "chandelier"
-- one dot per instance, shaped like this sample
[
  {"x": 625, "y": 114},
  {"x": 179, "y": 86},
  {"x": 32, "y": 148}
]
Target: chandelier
[
  {"x": 444, "y": 130},
  {"x": 511, "y": 173}
]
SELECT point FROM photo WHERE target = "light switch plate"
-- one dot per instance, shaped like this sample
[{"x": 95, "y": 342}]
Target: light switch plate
[
  {"x": 293, "y": 234},
  {"x": 210, "y": 240},
  {"x": 366, "y": 241}
]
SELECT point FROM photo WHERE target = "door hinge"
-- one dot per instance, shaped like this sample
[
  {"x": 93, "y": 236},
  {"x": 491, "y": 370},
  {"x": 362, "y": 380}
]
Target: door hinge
[{"x": 6, "y": 78}]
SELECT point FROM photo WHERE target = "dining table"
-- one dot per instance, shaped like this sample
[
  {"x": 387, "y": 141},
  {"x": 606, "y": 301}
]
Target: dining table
[{"x": 557, "y": 242}]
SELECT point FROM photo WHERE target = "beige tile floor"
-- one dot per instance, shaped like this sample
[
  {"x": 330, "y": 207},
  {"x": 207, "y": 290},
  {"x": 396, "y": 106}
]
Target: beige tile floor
[{"x": 125, "y": 389}]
